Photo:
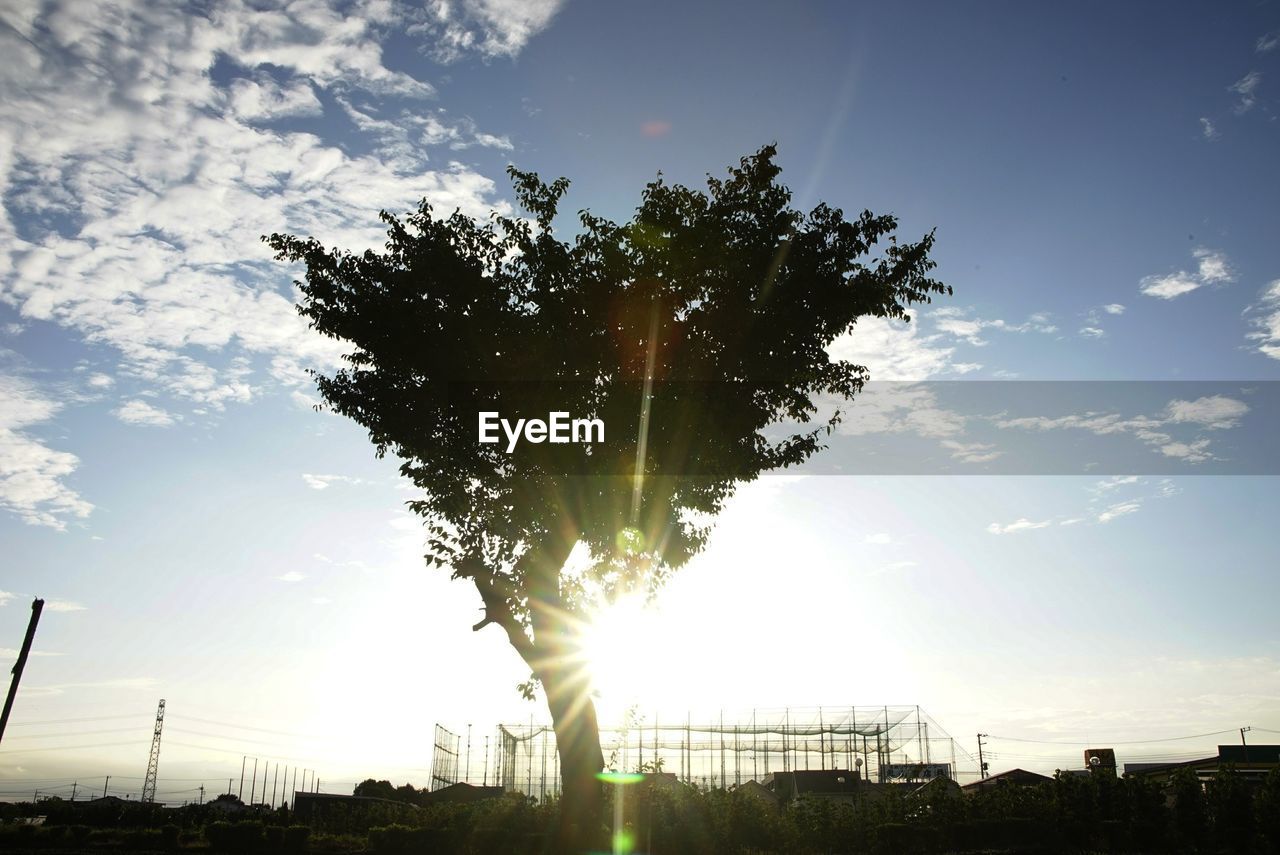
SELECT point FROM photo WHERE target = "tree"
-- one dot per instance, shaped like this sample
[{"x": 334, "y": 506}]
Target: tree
[{"x": 697, "y": 332}]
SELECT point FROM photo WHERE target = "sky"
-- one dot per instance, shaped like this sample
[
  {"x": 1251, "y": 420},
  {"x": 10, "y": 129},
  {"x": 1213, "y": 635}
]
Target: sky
[{"x": 1102, "y": 180}]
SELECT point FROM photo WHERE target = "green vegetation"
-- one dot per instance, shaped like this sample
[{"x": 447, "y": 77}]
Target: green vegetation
[{"x": 1069, "y": 815}]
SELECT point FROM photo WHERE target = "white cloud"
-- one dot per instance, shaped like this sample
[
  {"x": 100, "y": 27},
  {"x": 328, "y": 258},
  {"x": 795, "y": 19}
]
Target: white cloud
[
  {"x": 1212, "y": 268},
  {"x": 1092, "y": 332},
  {"x": 264, "y": 98},
  {"x": 1113, "y": 309},
  {"x": 1215, "y": 411},
  {"x": 138, "y": 412},
  {"x": 956, "y": 321},
  {"x": 32, "y": 475},
  {"x": 292, "y": 576},
  {"x": 490, "y": 28},
  {"x": 101, "y": 381},
  {"x": 164, "y": 179},
  {"x": 1119, "y": 509},
  {"x": 5, "y": 597},
  {"x": 895, "y": 350},
  {"x": 879, "y": 538},
  {"x": 1245, "y": 88},
  {"x": 971, "y": 452},
  {"x": 63, "y": 606},
  {"x": 1022, "y": 524},
  {"x": 1170, "y": 286},
  {"x": 1265, "y": 317},
  {"x": 1192, "y": 452},
  {"x": 322, "y": 482},
  {"x": 1114, "y": 482},
  {"x": 1208, "y": 130},
  {"x": 1267, "y": 42}
]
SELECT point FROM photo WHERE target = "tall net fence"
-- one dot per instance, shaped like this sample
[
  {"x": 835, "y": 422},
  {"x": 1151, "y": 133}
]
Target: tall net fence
[
  {"x": 881, "y": 744},
  {"x": 444, "y": 758}
]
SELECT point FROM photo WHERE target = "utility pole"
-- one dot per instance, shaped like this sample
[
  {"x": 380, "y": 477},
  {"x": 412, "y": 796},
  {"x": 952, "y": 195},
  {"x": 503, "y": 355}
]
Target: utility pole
[
  {"x": 202, "y": 794},
  {"x": 73, "y": 790},
  {"x": 243, "y": 759},
  {"x": 1243, "y": 731},
  {"x": 104, "y": 786},
  {"x": 37, "y": 606},
  {"x": 982, "y": 764}
]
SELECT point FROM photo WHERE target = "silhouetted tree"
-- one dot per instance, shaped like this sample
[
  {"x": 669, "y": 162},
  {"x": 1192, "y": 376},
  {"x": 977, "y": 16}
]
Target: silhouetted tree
[
  {"x": 727, "y": 299},
  {"x": 370, "y": 788}
]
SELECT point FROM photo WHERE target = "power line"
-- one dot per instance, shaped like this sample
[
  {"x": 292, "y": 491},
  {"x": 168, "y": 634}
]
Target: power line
[
  {"x": 236, "y": 739},
  {"x": 73, "y": 747},
  {"x": 1099, "y": 741},
  {"x": 247, "y": 727},
  {"x": 62, "y": 734},
  {"x": 71, "y": 720}
]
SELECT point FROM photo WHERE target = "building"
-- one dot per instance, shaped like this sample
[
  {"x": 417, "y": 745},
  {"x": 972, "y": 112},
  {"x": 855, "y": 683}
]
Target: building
[
  {"x": 1011, "y": 778},
  {"x": 1251, "y": 762}
]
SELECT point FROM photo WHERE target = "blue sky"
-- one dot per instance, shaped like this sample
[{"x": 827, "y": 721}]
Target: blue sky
[{"x": 1102, "y": 178}]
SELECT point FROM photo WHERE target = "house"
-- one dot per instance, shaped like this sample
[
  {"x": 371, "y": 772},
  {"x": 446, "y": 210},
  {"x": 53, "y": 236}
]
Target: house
[
  {"x": 462, "y": 793},
  {"x": 1010, "y": 778},
  {"x": 1251, "y": 762}
]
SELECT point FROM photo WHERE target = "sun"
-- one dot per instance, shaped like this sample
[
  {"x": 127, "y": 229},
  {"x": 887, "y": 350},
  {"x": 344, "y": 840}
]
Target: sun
[{"x": 624, "y": 654}]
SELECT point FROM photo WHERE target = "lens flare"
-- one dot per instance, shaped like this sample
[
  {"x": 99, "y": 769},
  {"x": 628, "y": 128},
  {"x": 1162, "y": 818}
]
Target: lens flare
[{"x": 622, "y": 649}]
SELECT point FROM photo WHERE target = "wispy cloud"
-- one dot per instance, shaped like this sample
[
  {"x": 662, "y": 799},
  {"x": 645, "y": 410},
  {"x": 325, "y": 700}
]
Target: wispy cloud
[
  {"x": 5, "y": 597},
  {"x": 880, "y": 538},
  {"x": 1094, "y": 319},
  {"x": 1208, "y": 130},
  {"x": 117, "y": 130},
  {"x": 1212, "y": 268},
  {"x": 488, "y": 28},
  {"x": 139, "y": 412},
  {"x": 1244, "y": 90},
  {"x": 63, "y": 606},
  {"x": 961, "y": 323},
  {"x": 1022, "y": 524},
  {"x": 292, "y": 576},
  {"x": 1265, "y": 318},
  {"x": 33, "y": 476},
  {"x": 1212, "y": 412},
  {"x": 1267, "y": 42},
  {"x": 322, "y": 482},
  {"x": 1119, "y": 509},
  {"x": 971, "y": 452}
]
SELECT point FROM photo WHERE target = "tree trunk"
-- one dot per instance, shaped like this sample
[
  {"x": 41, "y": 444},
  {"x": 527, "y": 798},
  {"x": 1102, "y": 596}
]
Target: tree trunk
[
  {"x": 558, "y": 664},
  {"x": 573, "y": 715}
]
